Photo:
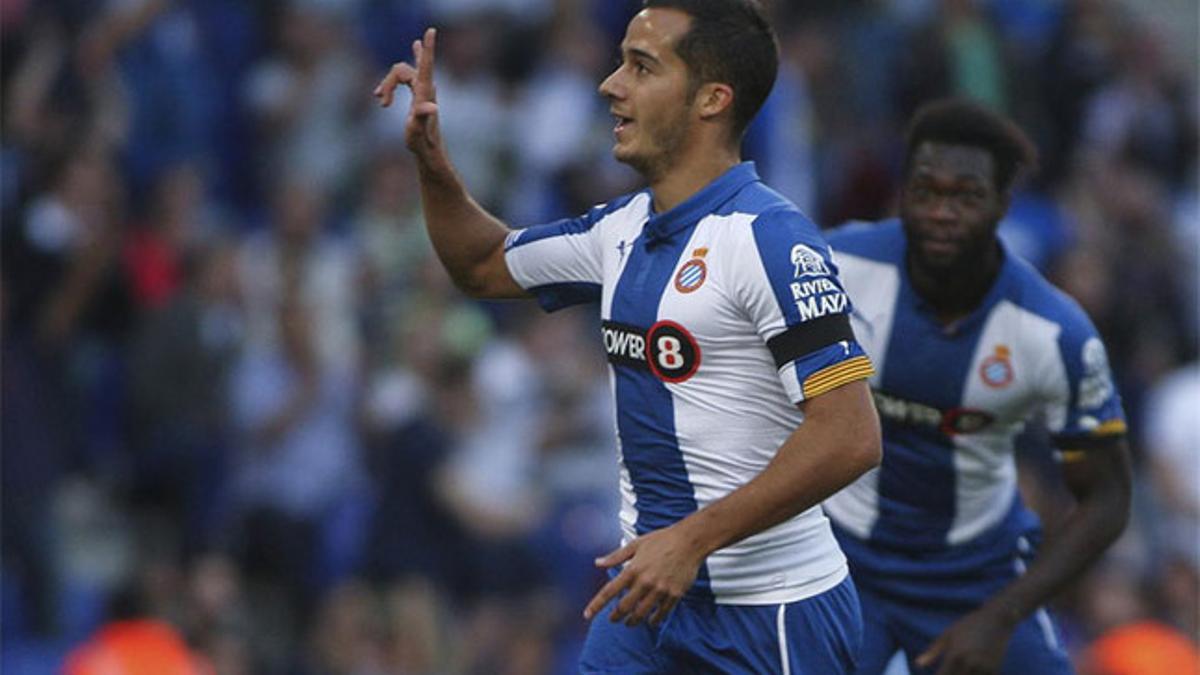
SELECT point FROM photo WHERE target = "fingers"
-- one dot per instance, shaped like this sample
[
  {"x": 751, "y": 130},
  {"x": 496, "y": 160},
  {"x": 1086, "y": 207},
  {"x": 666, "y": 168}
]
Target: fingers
[
  {"x": 931, "y": 655},
  {"x": 607, "y": 593},
  {"x": 638, "y": 603},
  {"x": 639, "y": 613},
  {"x": 423, "y": 51},
  {"x": 419, "y": 77},
  {"x": 628, "y": 604},
  {"x": 664, "y": 608},
  {"x": 618, "y": 556},
  {"x": 400, "y": 73}
]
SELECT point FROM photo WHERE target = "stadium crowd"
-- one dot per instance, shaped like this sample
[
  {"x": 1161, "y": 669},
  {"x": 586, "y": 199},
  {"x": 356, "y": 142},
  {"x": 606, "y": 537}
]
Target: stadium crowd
[{"x": 242, "y": 400}]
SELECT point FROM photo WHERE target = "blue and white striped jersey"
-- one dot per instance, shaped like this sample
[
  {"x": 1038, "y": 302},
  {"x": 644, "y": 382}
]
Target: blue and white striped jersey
[
  {"x": 718, "y": 316},
  {"x": 952, "y": 401}
]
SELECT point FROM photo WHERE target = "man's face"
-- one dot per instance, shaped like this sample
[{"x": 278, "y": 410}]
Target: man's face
[
  {"x": 648, "y": 92},
  {"x": 950, "y": 206}
]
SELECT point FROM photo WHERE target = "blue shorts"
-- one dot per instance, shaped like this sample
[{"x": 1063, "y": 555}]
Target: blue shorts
[
  {"x": 814, "y": 636},
  {"x": 890, "y": 625}
]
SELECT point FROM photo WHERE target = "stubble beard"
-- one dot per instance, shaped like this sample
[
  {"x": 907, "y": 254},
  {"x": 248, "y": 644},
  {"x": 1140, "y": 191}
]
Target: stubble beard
[{"x": 664, "y": 156}]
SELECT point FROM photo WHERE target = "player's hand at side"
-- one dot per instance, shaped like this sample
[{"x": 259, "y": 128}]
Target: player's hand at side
[
  {"x": 973, "y": 645},
  {"x": 659, "y": 568},
  {"x": 420, "y": 132}
]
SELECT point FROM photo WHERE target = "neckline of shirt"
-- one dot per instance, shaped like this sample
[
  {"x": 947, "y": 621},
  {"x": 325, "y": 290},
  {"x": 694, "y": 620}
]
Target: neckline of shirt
[{"x": 660, "y": 226}]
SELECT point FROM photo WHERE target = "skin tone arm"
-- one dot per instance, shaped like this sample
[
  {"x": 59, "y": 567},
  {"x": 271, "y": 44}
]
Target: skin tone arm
[
  {"x": 469, "y": 241},
  {"x": 1101, "y": 483},
  {"x": 837, "y": 443}
]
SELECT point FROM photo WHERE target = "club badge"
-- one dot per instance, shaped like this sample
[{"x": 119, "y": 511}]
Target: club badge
[
  {"x": 996, "y": 370},
  {"x": 693, "y": 273}
]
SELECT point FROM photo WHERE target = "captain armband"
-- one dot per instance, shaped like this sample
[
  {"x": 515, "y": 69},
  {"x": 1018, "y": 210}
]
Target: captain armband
[{"x": 805, "y": 338}]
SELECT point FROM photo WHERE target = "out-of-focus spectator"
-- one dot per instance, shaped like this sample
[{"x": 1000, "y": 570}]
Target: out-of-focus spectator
[
  {"x": 61, "y": 263},
  {"x": 417, "y": 634},
  {"x": 1172, "y": 443},
  {"x": 558, "y": 100},
  {"x": 134, "y": 642},
  {"x": 307, "y": 99},
  {"x": 957, "y": 53},
  {"x": 388, "y": 227},
  {"x": 215, "y": 617},
  {"x": 298, "y": 254},
  {"x": 298, "y": 457},
  {"x": 1081, "y": 57},
  {"x": 299, "y": 494},
  {"x": 182, "y": 360},
  {"x": 346, "y": 634},
  {"x": 1141, "y": 116},
  {"x": 177, "y": 221}
]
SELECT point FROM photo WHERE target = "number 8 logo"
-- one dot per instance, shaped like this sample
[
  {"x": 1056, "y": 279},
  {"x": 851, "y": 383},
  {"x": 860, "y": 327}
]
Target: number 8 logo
[
  {"x": 668, "y": 352},
  {"x": 674, "y": 354}
]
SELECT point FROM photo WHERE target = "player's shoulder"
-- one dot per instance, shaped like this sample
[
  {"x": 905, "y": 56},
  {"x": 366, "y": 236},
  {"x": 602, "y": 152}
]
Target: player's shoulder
[
  {"x": 762, "y": 218},
  {"x": 631, "y": 201},
  {"x": 881, "y": 241},
  {"x": 1036, "y": 294}
]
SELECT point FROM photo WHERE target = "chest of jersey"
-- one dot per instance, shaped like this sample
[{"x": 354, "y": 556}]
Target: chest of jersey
[
  {"x": 665, "y": 305},
  {"x": 986, "y": 375}
]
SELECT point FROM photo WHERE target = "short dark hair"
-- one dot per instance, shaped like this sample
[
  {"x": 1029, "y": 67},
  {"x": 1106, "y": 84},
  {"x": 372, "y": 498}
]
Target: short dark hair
[
  {"x": 956, "y": 121},
  {"x": 729, "y": 41}
]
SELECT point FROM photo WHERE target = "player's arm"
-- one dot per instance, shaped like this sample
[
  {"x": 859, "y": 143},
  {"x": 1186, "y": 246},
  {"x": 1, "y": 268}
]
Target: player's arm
[
  {"x": 469, "y": 241},
  {"x": 1099, "y": 477},
  {"x": 838, "y": 441}
]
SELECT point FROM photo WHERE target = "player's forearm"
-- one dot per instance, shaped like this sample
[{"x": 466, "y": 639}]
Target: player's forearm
[
  {"x": 1092, "y": 526},
  {"x": 463, "y": 234},
  {"x": 829, "y": 451}
]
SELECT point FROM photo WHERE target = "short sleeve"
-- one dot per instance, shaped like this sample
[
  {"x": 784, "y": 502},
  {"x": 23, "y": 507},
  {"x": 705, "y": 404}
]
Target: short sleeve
[
  {"x": 789, "y": 286},
  {"x": 1088, "y": 410},
  {"x": 560, "y": 262}
]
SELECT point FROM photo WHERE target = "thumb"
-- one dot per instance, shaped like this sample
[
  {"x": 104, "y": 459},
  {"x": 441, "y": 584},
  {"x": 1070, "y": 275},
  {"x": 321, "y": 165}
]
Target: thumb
[
  {"x": 618, "y": 556},
  {"x": 932, "y": 654}
]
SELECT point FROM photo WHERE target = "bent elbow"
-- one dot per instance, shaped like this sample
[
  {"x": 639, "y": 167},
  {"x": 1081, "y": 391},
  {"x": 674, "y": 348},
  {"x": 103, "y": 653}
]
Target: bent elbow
[
  {"x": 1119, "y": 512},
  {"x": 868, "y": 449},
  {"x": 474, "y": 286}
]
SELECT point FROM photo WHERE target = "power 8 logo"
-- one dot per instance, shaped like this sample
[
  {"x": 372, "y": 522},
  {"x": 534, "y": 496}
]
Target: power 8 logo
[{"x": 673, "y": 354}]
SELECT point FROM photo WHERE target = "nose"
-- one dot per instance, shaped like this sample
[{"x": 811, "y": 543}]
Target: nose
[
  {"x": 609, "y": 88},
  {"x": 942, "y": 208}
]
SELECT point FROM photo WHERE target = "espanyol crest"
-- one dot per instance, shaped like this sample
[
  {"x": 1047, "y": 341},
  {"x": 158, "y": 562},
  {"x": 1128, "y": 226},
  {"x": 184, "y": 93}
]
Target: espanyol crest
[
  {"x": 996, "y": 370},
  {"x": 693, "y": 273}
]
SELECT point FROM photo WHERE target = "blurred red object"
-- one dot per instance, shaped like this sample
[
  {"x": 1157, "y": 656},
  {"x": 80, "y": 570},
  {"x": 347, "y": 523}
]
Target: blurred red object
[
  {"x": 138, "y": 647},
  {"x": 1142, "y": 648}
]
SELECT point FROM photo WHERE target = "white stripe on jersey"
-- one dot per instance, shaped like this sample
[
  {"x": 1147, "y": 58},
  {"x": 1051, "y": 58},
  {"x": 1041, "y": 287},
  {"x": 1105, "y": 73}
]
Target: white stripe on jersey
[
  {"x": 873, "y": 287},
  {"x": 722, "y": 447},
  {"x": 983, "y": 463}
]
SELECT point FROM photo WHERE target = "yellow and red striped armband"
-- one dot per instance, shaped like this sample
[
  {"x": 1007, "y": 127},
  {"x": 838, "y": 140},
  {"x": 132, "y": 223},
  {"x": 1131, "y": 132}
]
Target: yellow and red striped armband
[{"x": 832, "y": 377}]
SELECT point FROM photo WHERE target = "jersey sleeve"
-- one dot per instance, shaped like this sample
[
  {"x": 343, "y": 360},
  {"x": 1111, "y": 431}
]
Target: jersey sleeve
[
  {"x": 1087, "y": 411},
  {"x": 560, "y": 262},
  {"x": 791, "y": 291}
]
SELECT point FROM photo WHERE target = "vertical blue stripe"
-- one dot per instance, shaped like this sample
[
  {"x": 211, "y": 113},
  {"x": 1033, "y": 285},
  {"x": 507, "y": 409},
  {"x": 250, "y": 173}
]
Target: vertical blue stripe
[
  {"x": 645, "y": 410},
  {"x": 917, "y": 478}
]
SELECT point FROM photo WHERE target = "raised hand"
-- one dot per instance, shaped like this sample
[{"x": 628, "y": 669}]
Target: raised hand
[{"x": 420, "y": 132}]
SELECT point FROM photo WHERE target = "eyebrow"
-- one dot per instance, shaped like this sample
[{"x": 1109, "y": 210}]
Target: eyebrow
[
  {"x": 927, "y": 170},
  {"x": 642, "y": 53}
]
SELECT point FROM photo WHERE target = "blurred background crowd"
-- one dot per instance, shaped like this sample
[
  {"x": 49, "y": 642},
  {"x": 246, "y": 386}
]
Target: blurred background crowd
[{"x": 247, "y": 418}]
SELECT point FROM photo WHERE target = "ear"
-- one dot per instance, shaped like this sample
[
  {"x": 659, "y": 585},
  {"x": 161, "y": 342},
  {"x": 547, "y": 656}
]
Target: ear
[{"x": 713, "y": 99}]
